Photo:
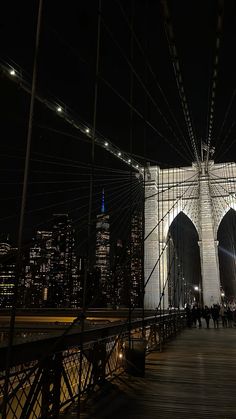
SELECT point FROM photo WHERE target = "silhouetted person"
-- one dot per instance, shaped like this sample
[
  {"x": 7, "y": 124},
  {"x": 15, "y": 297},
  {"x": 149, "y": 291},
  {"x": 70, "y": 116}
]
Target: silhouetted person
[
  {"x": 207, "y": 315},
  {"x": 188, "y": 316},
  {"x": 223, "y": 314},
  {"x": 215, "y": 313},
  {"x": 194, "y": 315},
  {"x": 229, "y": 315},
  {"x": 199, "y": 315}
]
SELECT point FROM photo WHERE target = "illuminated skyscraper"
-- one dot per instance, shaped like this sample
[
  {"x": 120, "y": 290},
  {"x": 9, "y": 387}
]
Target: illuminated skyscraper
[
  {"x": 7, "y": 273},
  {"x": 120, "y": 283},
  {"x": 135, "y": 253},
  {"x": 52, "y": 270},
  {"x": 103, "y": 249},
  {"x": 39, "y": 269},
  {"x": 127, "y": 268}
]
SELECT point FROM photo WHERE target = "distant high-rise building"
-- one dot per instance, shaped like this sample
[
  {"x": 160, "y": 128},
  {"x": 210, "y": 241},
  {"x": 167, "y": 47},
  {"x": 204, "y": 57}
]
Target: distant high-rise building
[
  {"x": 7, "y": 273},
  {"x": 127, "y": 267},
  {"x": 119, "y": 276},
  {"x": 103, "y": 249},
  {"x": 52, "y": 272},
  {"x": 78, "y": 273},
  {"x": 136, "y": 257},
  {"x": 39, "y": 269}
]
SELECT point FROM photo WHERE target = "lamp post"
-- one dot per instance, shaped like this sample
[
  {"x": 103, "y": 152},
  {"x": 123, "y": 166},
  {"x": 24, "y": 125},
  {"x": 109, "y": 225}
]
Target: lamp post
[{"x": 196, "y": 293}]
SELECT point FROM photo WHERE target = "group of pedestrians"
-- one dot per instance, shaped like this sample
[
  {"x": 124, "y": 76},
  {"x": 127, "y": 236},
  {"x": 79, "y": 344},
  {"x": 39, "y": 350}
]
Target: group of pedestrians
[{"x": 217, "y": 312}]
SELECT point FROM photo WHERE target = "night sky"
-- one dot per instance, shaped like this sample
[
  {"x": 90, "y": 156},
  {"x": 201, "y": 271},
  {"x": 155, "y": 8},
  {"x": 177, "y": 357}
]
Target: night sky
[{"x": 66, "y": 74}]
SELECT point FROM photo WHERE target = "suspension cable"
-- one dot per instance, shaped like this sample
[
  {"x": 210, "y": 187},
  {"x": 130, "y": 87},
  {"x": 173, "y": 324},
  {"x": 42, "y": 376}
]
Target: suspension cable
[
  {"x": 148, "y": 65},
  {"x": 22, "y": 212},
  {"x": 175, "y": 203},
  {"x": 212, "y": 91},
  {"x": 150, "y": 96},
  {"x": 178, "y": 77}
]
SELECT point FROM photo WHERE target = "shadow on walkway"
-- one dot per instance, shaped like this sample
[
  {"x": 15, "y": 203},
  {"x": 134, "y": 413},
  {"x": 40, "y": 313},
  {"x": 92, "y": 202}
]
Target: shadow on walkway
[{"x": 195, "y": 376}]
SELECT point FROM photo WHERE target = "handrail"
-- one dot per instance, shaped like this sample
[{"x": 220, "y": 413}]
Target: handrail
[{"x": 32, "y": 350}]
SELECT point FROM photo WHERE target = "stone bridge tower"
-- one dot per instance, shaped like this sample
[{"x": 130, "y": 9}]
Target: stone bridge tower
[{"x": 204, "y": 197}]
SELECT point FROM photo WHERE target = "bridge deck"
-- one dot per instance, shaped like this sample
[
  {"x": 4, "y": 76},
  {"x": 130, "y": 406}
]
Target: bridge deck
[{"x": 195, "y": 376}]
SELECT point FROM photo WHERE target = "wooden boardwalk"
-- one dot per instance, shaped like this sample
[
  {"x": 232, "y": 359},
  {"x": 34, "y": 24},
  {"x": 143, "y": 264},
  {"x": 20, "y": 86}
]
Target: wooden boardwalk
[{"x": 194, "y": 377}]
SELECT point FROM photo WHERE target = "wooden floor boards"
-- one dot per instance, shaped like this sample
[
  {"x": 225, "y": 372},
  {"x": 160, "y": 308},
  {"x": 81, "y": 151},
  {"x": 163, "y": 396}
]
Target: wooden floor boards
[{"x": 194, "y": 377}]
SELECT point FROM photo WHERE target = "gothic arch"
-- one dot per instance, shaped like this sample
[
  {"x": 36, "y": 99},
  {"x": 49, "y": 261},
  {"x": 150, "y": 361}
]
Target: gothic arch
[
  {"x": 173, "y": 215},
  {"x": 226, "y": 240},
  {"x": 226, "y": 208}
]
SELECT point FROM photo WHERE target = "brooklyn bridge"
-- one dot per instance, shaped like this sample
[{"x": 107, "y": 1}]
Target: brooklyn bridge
[{"x": 118, "y": 199}]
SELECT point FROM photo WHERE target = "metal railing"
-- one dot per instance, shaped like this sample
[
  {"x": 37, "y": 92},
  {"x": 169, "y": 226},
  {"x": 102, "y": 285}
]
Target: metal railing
[{"x": 49, "y": 374}]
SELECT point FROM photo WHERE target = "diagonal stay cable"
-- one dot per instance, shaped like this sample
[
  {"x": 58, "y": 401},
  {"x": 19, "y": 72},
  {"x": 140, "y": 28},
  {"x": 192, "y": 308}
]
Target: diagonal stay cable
[
  {"x": 212, "y": 91},
  {"x": 153, "y": 74},
  {"x": 149, "y": 95},
  {"x": 178, "y": 77},
  {"x": 166, "y": 244},
  {"x": 175, "y": 203}
]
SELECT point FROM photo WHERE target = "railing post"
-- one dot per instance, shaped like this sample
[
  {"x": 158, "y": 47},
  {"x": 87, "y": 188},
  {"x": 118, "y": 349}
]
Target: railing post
[
  {"x": 98, "y": 359},
  {"x": 51, "y": 386}
]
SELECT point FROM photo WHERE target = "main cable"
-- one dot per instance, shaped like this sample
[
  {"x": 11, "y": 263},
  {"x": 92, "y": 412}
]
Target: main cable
[
  {"x": 212, "y": 91},
  {"x": 178, "y": 77}
]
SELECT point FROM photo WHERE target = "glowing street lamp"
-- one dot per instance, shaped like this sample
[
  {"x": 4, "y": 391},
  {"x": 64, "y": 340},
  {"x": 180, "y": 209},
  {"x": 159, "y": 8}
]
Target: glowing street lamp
[
  {"x": 12, "y": 72},
  {"x": 59, "y": 109}
]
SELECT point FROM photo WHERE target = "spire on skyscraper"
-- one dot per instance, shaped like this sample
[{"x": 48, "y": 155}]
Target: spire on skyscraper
[{"x": 103, "y": 202}]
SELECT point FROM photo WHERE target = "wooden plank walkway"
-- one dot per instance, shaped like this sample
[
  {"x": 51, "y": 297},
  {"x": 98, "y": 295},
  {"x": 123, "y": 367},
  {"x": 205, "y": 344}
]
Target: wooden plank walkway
[{"x": 194, "y": 377}]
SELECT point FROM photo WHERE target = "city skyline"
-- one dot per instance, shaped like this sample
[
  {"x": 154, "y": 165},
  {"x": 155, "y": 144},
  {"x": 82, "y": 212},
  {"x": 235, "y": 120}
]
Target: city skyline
[
  {"x": 53, "y": 270},
  {"x": 140, "y": 122}
]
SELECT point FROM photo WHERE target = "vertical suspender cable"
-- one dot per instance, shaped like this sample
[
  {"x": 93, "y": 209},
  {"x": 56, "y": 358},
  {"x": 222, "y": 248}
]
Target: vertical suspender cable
[
  {"x": 162, "y": 243},
  {"x": 175, "y": 262},
  {"x": 130, "y": 182},
  {"x": 169, "y": 241},
  {"x": 178, "y": 244},
  {"x": 144, "y": 180},
  {"x": 22, "y": 211},
  {"x": 88, "y": 261},
  {"x": 158, "y": 242}
]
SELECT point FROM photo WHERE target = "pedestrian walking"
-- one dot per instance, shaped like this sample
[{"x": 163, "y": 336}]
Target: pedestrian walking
[
  {"x": 199, "y": 315},
  {"x": 223, "y": 315},
  {"x": 215, "y": 314},
  {"x": 188, "y": 315},
  {"x": 229, "y": 315},
  {"x": 194, "y": 315},
  {"x": 206, "y": 314}
]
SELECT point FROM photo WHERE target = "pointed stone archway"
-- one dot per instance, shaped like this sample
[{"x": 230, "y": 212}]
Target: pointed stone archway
[
  {"x": 204, "y": 197},
  {"x": 183, "y": 262},
  {"x": 226, "y": 235}
]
